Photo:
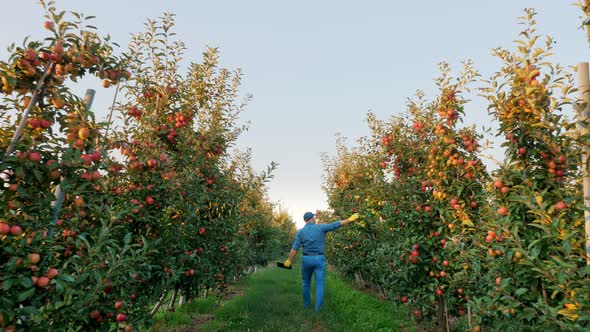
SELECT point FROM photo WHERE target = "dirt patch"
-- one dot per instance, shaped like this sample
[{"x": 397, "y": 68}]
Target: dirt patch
[
  {"x": 363, "y": 286},
  {"x": 319, "y": 326},
  {"x": 231, "y": 293},
  {"x": 200, "y": 319},
  {"x": 368, "y": 289},
  {"x": 196, "y": 326},
  {"x": 197, "y": 323}
]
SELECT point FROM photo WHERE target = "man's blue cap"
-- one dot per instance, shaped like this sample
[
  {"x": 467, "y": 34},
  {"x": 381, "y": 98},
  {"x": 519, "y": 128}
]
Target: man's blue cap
[{"x": 308, "y": 215}]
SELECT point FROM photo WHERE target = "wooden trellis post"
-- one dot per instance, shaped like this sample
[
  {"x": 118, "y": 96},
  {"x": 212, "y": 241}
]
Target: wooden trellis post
[{"x": 584, "y": 116}]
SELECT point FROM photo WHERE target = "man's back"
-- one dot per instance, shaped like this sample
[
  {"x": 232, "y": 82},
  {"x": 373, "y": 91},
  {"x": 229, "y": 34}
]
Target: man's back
[{"x": 312, "y": 237}]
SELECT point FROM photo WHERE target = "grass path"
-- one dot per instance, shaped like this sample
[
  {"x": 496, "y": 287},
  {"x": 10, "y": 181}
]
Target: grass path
[{"x": 272, "y": 301}]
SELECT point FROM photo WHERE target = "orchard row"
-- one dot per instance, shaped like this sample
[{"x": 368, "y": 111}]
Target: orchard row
[
  {"x": 100, "y": 224},
  {"x": 453, "y": 242}
]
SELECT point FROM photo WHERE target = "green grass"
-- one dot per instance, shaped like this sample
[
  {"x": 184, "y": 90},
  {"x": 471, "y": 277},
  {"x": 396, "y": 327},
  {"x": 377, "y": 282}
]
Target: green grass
[
  {"x": 273, "y": 302},
  {"x": 184, "y": 315}
]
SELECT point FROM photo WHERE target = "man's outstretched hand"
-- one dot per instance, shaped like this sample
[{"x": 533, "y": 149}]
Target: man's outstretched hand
[
  {"x": 353, "y": 217},
  {"x": 350, "y": 219},
  {"x": 287, "y": 263}
]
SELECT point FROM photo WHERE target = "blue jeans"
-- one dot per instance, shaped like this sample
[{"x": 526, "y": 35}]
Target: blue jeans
[{"x": 315, "y": 265}]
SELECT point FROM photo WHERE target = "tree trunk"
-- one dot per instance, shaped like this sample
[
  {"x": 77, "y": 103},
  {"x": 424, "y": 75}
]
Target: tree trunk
[
  {"x": 442, "y": 322},
  {"x": 172, "y": 300},
  {"x": 158, "y": 304}
]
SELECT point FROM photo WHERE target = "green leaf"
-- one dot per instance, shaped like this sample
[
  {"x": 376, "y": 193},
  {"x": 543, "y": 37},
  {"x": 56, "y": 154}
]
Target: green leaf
[
  {"x": 127, "y": 238},
  {"x": 66, "y": 278},
  {"x": 534, "y": 253},
  {"x": 520, "y": 291},
  {"x": 60, "y": 304},
  {"x": 26, "y": 282},
  {"x": 567, "y": 247},
  {"x": 38, "y": 175},
  {"x": 528, "y": 313},
  {"x": 561, "y": 278},
  {"x": 59, "y": 287},
  {"x": 25, "y": 295},
  {"x": 467, "y": 222},
  {"x": 7, "y": 284},
  {"x": 145, "y": 243},
  {"x": 30, "y": 310},
  {"x": 9, "y": 250}
]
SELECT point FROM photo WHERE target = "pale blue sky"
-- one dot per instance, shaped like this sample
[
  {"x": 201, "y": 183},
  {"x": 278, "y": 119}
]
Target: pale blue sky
[{"x": 316, "y": 67}]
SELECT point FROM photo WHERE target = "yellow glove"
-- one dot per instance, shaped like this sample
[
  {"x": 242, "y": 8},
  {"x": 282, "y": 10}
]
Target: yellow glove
[
  {"x": 353, "y": 217},
  {"x": 287, "y": 263}
]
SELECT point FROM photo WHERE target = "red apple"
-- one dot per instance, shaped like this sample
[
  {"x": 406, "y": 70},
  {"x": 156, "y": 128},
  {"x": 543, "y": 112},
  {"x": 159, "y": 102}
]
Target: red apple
[
  {"x": 58, "y": 49},
  {"x": 34, "y": 258},
  {"x": 94, "y": 314},
  {"x": 35, "y": 156},
  {"x": 4, "y": 228},
  {"x": 34, "y": 123},
  {"x": 96, "y": 156},
  {"x": 43, "y": 282},
  {"x": 83, "y": 133},
  {"x": 16, "y": 230},
  {"x": 52, "y": 273},
  {"x": 560, "y": 205}
]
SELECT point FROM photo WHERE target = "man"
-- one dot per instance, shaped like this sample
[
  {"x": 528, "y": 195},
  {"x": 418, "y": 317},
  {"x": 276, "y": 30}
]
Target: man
[{"x": 312, "y": 238}]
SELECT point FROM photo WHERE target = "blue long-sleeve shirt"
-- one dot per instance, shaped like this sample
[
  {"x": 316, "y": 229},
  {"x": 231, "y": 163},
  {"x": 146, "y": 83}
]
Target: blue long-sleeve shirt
[{"x": 312, "y": 237}]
